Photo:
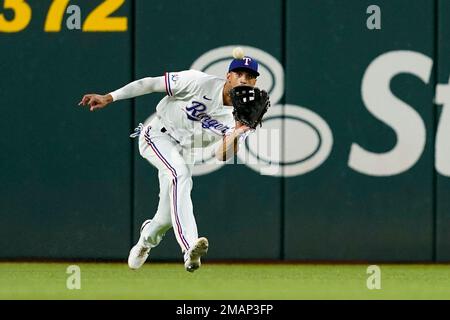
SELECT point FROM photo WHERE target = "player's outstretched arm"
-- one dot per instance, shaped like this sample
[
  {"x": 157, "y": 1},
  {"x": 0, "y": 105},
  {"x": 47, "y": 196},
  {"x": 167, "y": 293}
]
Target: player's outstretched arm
[
  {"x": 131, "y": 90},
  {"x": 140, "y": 87}
]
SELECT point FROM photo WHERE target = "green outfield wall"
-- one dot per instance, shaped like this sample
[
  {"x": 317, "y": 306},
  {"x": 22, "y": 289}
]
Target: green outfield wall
[{"x": 352, "y": 162}]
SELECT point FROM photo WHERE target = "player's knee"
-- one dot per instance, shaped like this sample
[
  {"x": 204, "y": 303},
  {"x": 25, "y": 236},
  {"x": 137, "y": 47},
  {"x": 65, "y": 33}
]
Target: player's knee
[
  {"x": 183, "y": 173},
  {"x": 162, "y": 220},
  {"x": 179, "y": 173},
  {"x": 163, "y": 224}
]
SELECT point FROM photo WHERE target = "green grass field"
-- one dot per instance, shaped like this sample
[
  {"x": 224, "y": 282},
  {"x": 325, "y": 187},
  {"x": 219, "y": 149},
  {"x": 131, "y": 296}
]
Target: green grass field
[{"x": 223, "y": 281}]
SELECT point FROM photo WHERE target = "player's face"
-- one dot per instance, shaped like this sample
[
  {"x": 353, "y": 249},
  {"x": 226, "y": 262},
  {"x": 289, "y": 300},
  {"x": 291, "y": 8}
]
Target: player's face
[{"x": 241, "y": 78}]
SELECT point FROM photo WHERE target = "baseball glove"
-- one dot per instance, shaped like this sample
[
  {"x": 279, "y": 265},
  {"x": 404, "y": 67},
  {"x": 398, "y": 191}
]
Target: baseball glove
[{"x": 250, "y": 104}]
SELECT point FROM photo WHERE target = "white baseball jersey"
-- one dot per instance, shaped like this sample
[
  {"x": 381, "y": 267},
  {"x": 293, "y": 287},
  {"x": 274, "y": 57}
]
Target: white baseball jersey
[
  {"x": 193, "y": 110},
  {"x": 193, "y": 114}
]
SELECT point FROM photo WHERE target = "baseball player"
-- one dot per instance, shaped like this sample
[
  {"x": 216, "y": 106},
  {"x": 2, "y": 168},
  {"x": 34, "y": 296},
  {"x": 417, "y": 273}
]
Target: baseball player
[{"x": 196, "y": 112}]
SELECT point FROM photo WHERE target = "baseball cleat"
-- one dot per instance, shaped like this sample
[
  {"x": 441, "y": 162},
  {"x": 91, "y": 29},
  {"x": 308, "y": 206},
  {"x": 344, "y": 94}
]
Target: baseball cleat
[
  {"x": 192, "y": 257},
  {"x": 139, "y": 253},
  {"x": 138, "y": 256}
]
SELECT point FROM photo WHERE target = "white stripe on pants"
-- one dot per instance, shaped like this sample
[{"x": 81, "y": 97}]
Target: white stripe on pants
[{"x": 175, "y": 183}]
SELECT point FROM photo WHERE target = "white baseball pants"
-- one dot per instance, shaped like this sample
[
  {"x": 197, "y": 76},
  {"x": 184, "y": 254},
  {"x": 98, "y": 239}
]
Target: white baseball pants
[{"x": 175, "y": 185}]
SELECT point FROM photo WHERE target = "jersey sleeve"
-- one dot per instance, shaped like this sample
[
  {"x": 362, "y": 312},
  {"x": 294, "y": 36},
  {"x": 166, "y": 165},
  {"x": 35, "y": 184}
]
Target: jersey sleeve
[{"x": 181, "y": 84}]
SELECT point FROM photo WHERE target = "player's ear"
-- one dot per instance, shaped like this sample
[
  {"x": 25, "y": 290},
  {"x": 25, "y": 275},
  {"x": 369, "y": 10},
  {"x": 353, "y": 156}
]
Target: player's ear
[{"x": 228, "y": 76}]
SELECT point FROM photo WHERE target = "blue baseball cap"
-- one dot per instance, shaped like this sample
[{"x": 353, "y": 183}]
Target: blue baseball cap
[{"x": 246, "y": 63}]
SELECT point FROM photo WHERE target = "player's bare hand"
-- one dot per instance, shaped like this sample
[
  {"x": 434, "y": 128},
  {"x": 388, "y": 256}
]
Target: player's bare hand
[
  {"x": 240, "y": 127},
  {"x": 95, "y": 101}
]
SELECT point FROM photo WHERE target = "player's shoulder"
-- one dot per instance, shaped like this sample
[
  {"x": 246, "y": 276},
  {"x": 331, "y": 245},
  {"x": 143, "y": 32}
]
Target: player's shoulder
[
  {"x": 205, "y": 78},
  {"x": 187, "y": 77},
  {"x": 188, "y": 74},
  {"x": 196, "y": 80},
  {"x": 196, "y": 75}
]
